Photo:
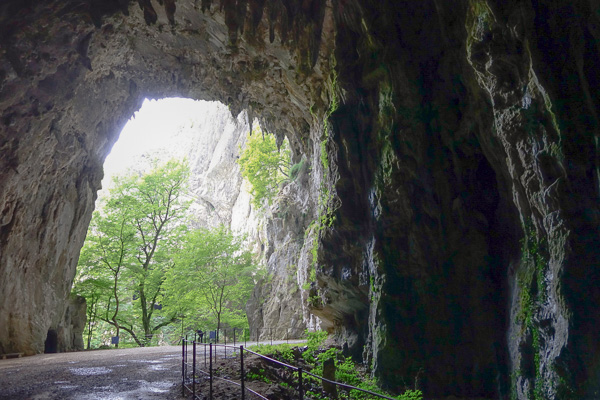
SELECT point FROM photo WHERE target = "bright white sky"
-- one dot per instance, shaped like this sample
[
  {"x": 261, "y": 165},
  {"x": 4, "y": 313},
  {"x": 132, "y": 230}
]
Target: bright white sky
[{"x": 151, "y": 128}]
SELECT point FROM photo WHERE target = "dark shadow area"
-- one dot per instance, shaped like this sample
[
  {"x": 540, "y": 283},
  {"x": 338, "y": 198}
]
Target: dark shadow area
[{"x": 51, "y": 343}]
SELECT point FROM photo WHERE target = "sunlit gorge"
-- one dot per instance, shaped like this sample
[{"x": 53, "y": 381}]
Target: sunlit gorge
[{"x": 160, "y": 129}]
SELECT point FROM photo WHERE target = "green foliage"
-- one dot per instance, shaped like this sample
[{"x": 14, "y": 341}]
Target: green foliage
[
  {"x": 295, "y": 169},
  {"x": 257, "y": 376},
  {"x": 213, "y": 276},
  {"x": 534, "y": 268},
  {"x": 141, "y": 270},
  {"x": 264, "y": 166},
  {"x": 315, "y": 340},
  {"x": 128, "y": 250},
  {"x": 347, "y": 371},
  {"x": 283, "y": 352},
  {"x": 411, "y": 395}
]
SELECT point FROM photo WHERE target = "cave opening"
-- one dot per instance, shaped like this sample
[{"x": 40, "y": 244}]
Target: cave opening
[
  {"x": 72, "y": 73},
  {"x": 208, "y": 140},
  {"x": 51, "y": 343}
]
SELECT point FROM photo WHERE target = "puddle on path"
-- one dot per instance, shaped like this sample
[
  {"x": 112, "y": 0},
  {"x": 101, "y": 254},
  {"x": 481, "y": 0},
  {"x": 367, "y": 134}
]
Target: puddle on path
[
  {"x": 145, "y": 390},
  {"x": 90, "y": 371},
  {"x": 159, "y": 368},
  {"x": 157, "y": 387},
  {"x": 65, "y": 385}
]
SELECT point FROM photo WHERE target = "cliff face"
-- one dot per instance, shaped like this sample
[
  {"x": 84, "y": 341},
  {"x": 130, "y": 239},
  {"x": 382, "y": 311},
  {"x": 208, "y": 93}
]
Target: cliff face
[
  {"x": 210, "y": 139},
  {"x": 445, "y": 220}
]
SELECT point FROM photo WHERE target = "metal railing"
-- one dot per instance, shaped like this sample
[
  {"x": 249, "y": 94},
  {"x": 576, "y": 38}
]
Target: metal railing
[
  {"x": 239, "y": 335},
  {"x": 191, "y": 372}
]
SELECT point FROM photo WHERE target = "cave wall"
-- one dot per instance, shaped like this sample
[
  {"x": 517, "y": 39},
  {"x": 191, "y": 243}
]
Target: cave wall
[
  {"x": 461, "y": 155},
  {"x": 72, "y": 74},
  {"x": 445, "y": 225}
]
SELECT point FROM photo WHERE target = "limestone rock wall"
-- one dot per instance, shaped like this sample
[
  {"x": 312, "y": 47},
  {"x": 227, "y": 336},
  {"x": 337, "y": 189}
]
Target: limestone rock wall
[
  {"x": 446, "y": 224},
  {"x": 210, "y": 141},
  {"x": 71, "y": 327}
]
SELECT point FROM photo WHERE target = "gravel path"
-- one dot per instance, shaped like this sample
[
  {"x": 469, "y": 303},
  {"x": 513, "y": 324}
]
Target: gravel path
[{"x": 124, "y": 374}]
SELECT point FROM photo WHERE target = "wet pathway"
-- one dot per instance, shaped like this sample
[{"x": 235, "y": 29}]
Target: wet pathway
[{"x": 124, "y": 374}]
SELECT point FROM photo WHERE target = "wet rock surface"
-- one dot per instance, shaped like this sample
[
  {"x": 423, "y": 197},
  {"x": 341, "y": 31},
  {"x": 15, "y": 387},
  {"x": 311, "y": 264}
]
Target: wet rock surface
[{"x": 141, "y": 373}]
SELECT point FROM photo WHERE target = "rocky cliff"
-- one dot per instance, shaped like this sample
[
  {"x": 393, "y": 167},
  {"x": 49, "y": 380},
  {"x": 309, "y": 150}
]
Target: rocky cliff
[
  {"x": 210, "y": 139},
  {"x": 445, "y": 222}
]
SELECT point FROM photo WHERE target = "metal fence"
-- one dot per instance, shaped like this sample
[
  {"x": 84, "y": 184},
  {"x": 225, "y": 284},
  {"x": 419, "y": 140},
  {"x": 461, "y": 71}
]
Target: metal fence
[
  {"x": 198, "y": 366},
  {"x": 239, "y": 335}
]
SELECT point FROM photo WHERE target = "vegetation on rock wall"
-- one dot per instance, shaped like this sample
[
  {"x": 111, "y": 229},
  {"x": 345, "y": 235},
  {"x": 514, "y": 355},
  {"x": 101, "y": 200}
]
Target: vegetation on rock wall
[
  {"x": 313, "y": 357},
  {"x": 265, "y": 166}
]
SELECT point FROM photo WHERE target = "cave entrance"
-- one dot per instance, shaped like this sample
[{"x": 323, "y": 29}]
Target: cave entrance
[
  {"x": 51, "y": 343},
  {"x": 210, "y": 140}
]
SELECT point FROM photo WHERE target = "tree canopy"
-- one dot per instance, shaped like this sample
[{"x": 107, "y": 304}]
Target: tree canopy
[
  {"x": 141, "y": 269},
  {"x": 130, "y": 244},
  {"x": 213, "y": 276}
]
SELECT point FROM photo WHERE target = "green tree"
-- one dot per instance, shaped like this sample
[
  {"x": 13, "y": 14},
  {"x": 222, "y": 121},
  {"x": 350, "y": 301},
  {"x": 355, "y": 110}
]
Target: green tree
[
  {"x": 94, "y": 287},
  {"x": 131, "y": 242},
  {"x": 214, "y": 275},
  {"x": 264, "y": 165},
  {"x": 106, "y": 252}
]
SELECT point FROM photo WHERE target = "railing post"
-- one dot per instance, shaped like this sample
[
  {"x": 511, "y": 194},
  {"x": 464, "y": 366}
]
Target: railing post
[
  {"x": 210, "y": 373},
  {"x": 182, "y": 366},
  {"x": 194, "y": 369},
  {"x": 242, "y": 371},
  {"x": 300, "y": 385}
]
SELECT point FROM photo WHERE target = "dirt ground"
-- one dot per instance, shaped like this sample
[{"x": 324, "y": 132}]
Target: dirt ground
[{"x": 124, "y": 374}]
